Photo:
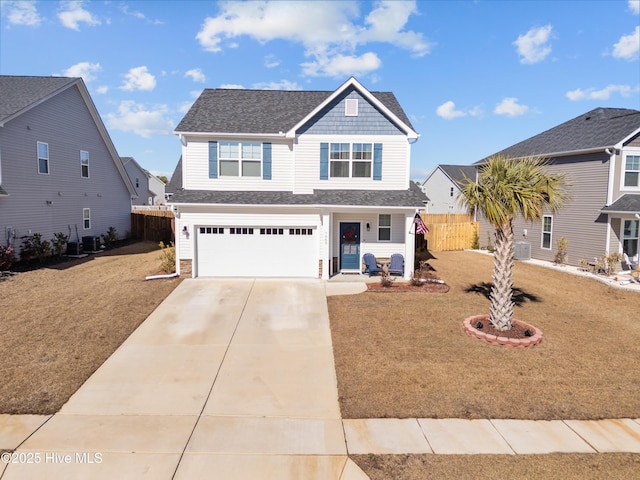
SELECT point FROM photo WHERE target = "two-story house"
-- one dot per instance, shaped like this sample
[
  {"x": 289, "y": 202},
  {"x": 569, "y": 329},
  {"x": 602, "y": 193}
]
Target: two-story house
[
  {"x": 149, "y": 188},
  {"x": 442, "y": 187},
  {"x": 59, "y": 170},
  {"x": 294, "y": 183},
  {"x": 599, "y": 152}
]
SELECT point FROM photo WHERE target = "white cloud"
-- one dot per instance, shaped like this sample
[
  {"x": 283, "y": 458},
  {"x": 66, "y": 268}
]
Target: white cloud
[
  {"x": 325, "y": 29},
  {"x": 628, "y": 46},
  {"x": 509, "y": 106},
  {"x": 281, "y": 85},
  {"x": 448, "y": 111},
  {"x": 341, "y": 65},
  {"x": 196, "y": 75},
  {"x": 22, "y": 13},
  {"x": 235, "y": 86},
  {"x": 102, "y": 89},
  {"x": 135, "y": 118},
  {"x": 72, "y": 14},
  {"x": 139, "y": 79},
  {"x": 634, "y": 6},
  {"x": 271, "y": 61},
  {"x": 533, "y": 46},
  {"x": 85, "y": 70},
  {"x": 604, "y": 94}
]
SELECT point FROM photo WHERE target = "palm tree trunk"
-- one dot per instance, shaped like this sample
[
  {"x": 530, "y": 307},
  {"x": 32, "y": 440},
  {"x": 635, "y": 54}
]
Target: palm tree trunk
[{"x": 501, "y": 312}]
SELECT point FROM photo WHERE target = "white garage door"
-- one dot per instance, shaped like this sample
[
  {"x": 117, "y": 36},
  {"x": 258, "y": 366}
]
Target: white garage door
[{"x": 256, "y": 252}]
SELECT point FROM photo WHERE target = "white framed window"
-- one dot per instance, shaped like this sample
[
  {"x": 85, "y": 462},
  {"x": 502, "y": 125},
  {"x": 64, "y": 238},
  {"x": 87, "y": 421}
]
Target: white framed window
[
  {"x": 632, "y": 171},
  {"x": 137, "y": 182},
  {"x": 451, "y": 192},
  {"x": 350, "y": 160},
  {"x": 384, "y": 227},
  {"x": 240, "y": 159},
  {"x": 547, "y": 228},
  {"x": 86, "y": 218},
  {"x": 43, "y": 158},
  {"x": 84, "y": 164}
]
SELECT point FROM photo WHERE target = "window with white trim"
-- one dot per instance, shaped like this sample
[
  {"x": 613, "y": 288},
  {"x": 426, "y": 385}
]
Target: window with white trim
[
  {"x": 547, "y": 227},
  {"x": 630, "y": 238},
  {"x": 86, "y": 218},
  {"x": 351, "y": 107},
  {"x": 84, "y": 164},
  {"x": 43, "y": 158},
  {"x": 240, "y": 159},
  {"x": 384, "y": 227},
  {"x": 212, "y": 230},
  {"x": 632, "y": 171},
  {"x": 240, "y": 231},
  {"x": 272, "y": 231},
  {"x": 350, "y": 160},
  {"x": 301, "y": 231}
]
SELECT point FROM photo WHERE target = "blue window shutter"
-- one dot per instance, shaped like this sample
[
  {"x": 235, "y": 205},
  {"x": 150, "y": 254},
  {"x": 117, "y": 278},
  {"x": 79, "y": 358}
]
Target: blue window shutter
[
  {"x": 213, "y": 159},
  {"x": 266, "y": 161},
  {"x": 377, "y": 161},
  {"x": 324, "y": 161}
]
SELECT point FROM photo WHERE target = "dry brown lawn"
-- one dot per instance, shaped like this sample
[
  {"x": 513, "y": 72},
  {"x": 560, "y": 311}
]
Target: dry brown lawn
[
  {"x": 405, "y": 355},
  {"x": 60, "y": 323}
]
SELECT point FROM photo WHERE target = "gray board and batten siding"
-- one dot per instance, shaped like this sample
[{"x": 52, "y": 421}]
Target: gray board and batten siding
[{"x": 66, "y": 124}]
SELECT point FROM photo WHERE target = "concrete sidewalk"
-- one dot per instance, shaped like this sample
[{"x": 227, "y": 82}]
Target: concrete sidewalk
[{"x": 235, "y": 379}]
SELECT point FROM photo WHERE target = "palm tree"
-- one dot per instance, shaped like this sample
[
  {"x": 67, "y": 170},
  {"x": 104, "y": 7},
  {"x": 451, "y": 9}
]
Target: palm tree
[{"x": 507, "y": 188}]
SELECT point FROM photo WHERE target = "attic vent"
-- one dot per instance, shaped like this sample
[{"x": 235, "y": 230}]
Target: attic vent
[{"x": 351, "y": 107}]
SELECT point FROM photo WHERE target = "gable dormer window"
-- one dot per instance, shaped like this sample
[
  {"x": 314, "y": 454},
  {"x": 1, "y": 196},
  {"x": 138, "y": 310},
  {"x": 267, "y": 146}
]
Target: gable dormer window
[{"x": 351, "y": 107}]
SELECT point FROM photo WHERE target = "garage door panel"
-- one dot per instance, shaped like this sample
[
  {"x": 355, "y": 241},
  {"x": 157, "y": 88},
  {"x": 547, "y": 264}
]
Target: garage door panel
[{"x": 257, "y": 254}]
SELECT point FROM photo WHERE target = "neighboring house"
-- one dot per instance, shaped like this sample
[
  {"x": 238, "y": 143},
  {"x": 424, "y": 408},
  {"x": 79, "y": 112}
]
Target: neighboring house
[
  {"x": 294, "y": 183},
  {"x": 59, "y": 170},
  {"x": 175, "y": 182},
  {"x": 149, "y": 188},
  {"x": 442, "y": 187},
  {"x": 599, "y": 151}
]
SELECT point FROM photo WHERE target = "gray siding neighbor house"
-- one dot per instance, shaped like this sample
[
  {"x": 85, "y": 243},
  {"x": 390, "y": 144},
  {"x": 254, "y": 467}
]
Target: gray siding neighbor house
[
  {"x": 442, "y": 187},
  {"x": 149, "y": 188},
  {"x": 59, "y": 170},
  {"x": 599, "y": 152},
  {"x": 293, "y": 183}
]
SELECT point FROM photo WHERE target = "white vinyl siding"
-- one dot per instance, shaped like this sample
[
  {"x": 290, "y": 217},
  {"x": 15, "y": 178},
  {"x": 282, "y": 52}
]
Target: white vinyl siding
[
  {"x": 195, "y": 164},
  {"x": 395, "y": 163}
]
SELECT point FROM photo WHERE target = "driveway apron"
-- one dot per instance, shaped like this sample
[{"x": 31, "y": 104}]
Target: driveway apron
[{"x": 227, "y": 378}]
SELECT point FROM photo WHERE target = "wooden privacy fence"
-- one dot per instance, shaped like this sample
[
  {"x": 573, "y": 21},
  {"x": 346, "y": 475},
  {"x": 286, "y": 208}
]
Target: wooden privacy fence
[
  {"x": 153, "y": 225},
  {"x": 450, "y": 231}
]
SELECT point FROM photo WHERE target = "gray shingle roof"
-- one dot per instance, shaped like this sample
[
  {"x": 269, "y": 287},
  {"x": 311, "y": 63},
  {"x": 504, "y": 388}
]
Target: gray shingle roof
[
  {"x": 175, "y": 182},
  {"x": 413, "y": 197},
  {"x": 457, "y": 173},
  {"x": 626, "y": 203},
  {"x": 18, "y": 93},
  {"x": 261, "y": 111},
  {"x": 599, "y": 128}
]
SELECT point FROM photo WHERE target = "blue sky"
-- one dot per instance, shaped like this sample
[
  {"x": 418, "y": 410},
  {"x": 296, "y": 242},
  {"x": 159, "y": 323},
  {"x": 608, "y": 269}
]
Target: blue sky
[{"x": 474, "y": 77}]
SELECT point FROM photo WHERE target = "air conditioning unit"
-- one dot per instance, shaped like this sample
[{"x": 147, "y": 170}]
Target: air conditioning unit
[
  {"x": 73, "y": 248},
  {"x": 522, "y": 251},
  {"x": 90, "y": 244}
]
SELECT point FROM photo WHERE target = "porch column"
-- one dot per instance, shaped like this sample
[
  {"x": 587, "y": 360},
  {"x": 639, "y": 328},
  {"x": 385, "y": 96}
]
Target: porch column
[
  {"x": 325, "y": 245},
  {"x": 409, "y": 246}
]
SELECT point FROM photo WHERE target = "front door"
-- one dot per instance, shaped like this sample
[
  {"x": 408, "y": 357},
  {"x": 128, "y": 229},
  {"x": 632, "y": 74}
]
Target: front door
[{"x": 350, "y": 246}]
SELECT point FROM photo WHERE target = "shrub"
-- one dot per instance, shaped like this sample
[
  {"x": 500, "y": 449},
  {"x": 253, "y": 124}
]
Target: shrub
[
  {"x": 561, "y": 255},
  {"x": 475, "y": 244},
  {"x": 386, "y": 280},
  {"x": 6, "y": 257},
  {"x": 110, "y": 237},
  {"x": 167, "y": 257},
  {"x": 34, "y": 247},
  {"x": 59, "y": 243}
]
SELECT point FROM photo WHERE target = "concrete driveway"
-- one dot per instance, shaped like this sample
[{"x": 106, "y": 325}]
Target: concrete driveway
[{"x": 228, "y": 378}]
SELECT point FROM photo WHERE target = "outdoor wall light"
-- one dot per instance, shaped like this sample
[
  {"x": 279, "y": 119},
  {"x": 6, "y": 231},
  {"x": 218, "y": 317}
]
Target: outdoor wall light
[
  {"x": 368, "y": 227},
  {"x": 185, "y": 230}
]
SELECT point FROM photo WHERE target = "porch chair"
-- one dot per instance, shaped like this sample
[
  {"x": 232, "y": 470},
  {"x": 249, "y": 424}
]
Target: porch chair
[
  {"x": 396, "y": 267},
  {"x": 371, "y": 265}
]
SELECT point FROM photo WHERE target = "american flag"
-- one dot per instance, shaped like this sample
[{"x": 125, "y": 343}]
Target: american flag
[{"x": 421, "y": 228}]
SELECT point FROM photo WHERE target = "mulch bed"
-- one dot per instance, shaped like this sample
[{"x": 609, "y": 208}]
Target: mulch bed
[{"x": 431, "y": 284}]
